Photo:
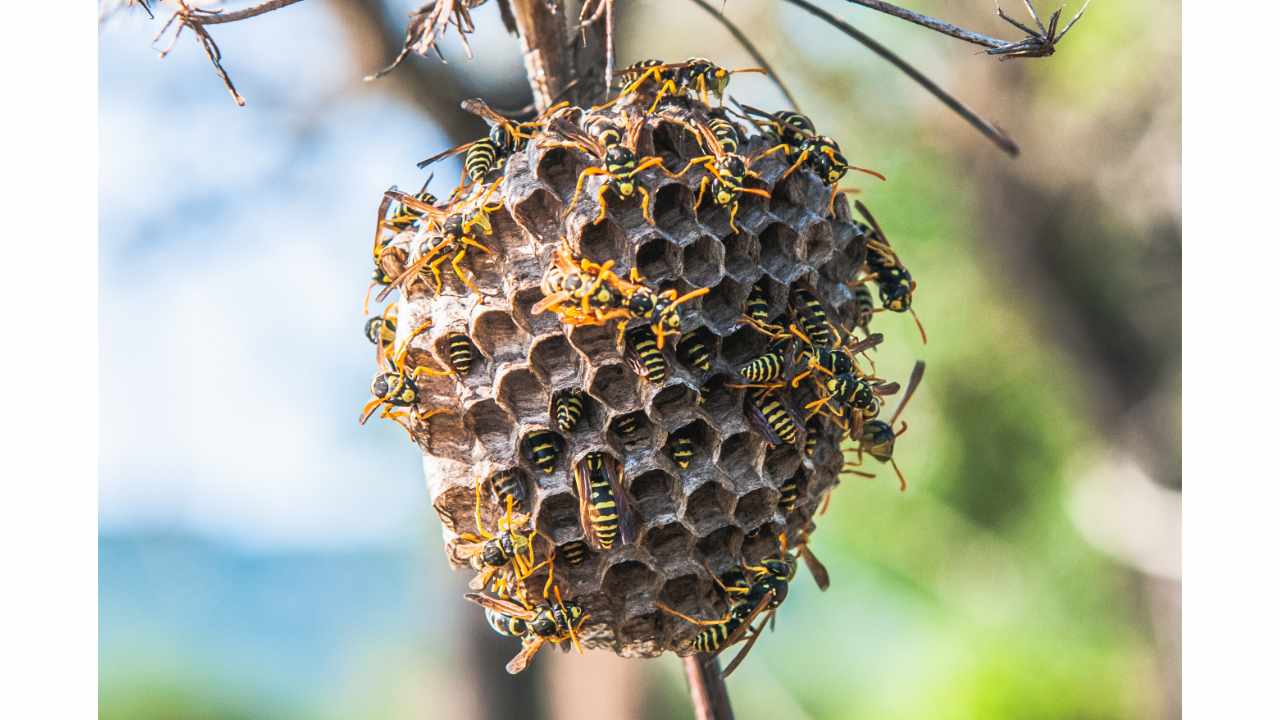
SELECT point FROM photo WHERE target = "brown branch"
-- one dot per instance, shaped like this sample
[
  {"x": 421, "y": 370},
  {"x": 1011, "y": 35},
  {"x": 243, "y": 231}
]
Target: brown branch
[
  {"x": 544, "y": 43},
  {"x": 993, "y": 133},
  {"x": 219, "y": 17},
  {"x": 707, "y": 692},
  {"x": 1035, "y": 44}
]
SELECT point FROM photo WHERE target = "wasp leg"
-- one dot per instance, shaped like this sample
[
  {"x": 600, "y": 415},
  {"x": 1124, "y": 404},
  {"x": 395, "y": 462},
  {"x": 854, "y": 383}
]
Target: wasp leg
[
  {"x": 435, "y": 271},
  {"x": 461, "y": 273},
  {"x": 703, "y": 160},
  {"x": 733, "y": 214},
  {"x": 644, "y": 205},
  {"x": 601, "y": 202},
  {"x": 693, "y": 620},
  {"x": 577, "y": 191}
]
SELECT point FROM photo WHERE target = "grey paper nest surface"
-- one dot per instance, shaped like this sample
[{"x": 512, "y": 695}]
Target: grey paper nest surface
[{"x": 725, "y": 506}]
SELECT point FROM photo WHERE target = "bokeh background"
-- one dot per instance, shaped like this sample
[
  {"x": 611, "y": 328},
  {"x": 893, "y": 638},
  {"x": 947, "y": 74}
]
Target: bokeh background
[{"x": 262, "y": 556}]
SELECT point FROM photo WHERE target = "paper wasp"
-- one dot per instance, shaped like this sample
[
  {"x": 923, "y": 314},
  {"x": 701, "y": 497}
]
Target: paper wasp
[
  {"x": 552, "y": 623},
  {"x": 582, "y": 292},
  {"x": 509, "y": 549},
  {"x": 381, "y": 331},
  {"x": 832, "y": 361},
  {"x": 877, "y": 436},
  {"x": 606, "y": 515},
  {"x": 643, "y": 355},
  {"x": 543, "y": 449},
  {"x": 616, "y": 153},
  {"x": 566, "y": 409},
  {"x": 727, "y": 171},
  {"x": 397, "y": 217},
  {"x": 447, "y": 231},
  {"x": 768, "y": 414},
  {"x": 508, "y": 486},
  {"x": 695, "y": 75},
  {"x": 885, "y": 267},
  {"x": 396, "y": 386},
  {"x": 506, "y": 136}
]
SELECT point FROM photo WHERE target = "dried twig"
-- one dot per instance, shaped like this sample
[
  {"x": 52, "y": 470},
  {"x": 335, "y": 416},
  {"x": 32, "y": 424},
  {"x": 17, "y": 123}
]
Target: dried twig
[
  {"x": 995, "y": 134},
  {"x": 196, "y": 18},
  {"x": 1035, "y": 44},
  {"x": 429, "y": 23},
  {"x": 603, "y": 8},
  {"x": 751, "y": 49}
]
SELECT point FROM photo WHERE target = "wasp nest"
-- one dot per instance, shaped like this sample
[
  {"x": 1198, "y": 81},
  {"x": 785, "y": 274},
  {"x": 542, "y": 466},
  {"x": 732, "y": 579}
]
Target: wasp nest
[{"x": 704, "y": 487}]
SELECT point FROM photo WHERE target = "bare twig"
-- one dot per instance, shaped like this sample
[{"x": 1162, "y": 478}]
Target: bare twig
[
  {"x": 995, "y": 134},
  {"x": 707, "y": 693},
  {"x": 1036, "y": 44},
  {"x": 428, "y": 24},
  {"x": 196, "y": 18},
  {"x": 751, "y": 49},
  {"x": 603, "y": 8},
  {"x": 544, "y": 41}
]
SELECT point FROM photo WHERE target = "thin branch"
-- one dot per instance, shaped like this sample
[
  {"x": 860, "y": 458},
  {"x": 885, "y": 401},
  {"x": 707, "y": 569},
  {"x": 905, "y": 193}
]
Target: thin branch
[
  {"x": 751, "y": 49},
  {"x": 218, "y": 17},
  {"x": 1035, "y": 44},
  {"x": 196, "y": 18},
  {"x": 707, "y": 692},
  {"x": 995, "y": 134}
]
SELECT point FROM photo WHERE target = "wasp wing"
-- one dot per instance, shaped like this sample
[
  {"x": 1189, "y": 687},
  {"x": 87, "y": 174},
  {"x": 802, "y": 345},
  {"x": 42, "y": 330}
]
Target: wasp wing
[
  {"x": 522, "y": 658},
  {"x": 816, "y": 568},
  {"x": 917, "y": 374},
  {"x": 447, "y": 153},
  {"x": 506, "y": 607}
]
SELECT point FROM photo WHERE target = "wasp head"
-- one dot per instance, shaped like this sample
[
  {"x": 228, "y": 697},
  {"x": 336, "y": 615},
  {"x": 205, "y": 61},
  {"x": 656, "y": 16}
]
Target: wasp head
[
  {"x": 373, "y": 329},
  {"x": 493, "y": 555},
  {"x": 877, "y": 439}
]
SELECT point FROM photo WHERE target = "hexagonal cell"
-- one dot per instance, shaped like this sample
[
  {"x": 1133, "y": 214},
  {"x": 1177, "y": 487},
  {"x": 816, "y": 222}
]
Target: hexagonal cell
[
  {"x": 544, "y": 450},
  {"x": 672, "y": 141},
  {"x": 722, "y": 307},
  {"x": 719, "y": 401},
  {"x": 720, "y": 547},
  {"x": 709, "y": 503},
  {"x": 652, "y": 494},
  {"x": 801, "y": 189},
  {"x": 614, "y": 386},
  {"x": 628, "y": 579},
  {"x": 559, "y": 174},
  {"x": 744, "y": 345},
  {"x": 492, "y": 425},
  {"x": 554, "y": 360},
  {"x": 522, "y": 312},
  {"x": 497, "y": 336},
  {"x": 761, "y": 542},
  {"x": 781, "y": 462},
  {"x": 672, "y": 403},
  {"x": 444, "y": 435},
  {"x": 703, "y": 261},
  {"x": 780, "y": 248},
  {"x": 642, "y": 628},
  {"x": 696, "y": 350},
  {"x": 632, "y": 428},
  {"x": 672, "y": 204},
  {"x": 741, "y": 255},
  {"x": 683, "y": 593},
  {"x": 656, "y": 259},
  {"x": 690, "y": 446},
  {"x": 568, "y": 403},
  {"x": 738, "y": 450},
  {"x": 539, "y": 214},
  {"x": 669, "y": 543},
  {"x": 594, "y": 341},
  {"x": 522, "y": 392},
  {"x": 509, "y": 482},
  {"x": 558, "y": 517},
  {"x": 755, "y": 507},
  {"x": 603, "y": 242},
  {"x": 819, "y": 245}
]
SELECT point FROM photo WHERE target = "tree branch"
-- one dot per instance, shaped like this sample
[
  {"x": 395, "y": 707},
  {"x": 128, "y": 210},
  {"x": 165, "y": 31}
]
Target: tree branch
[
  {"x": 218, "y": 17},
  {"x": 993, "y": 133},
  {"x": 707, "y": 693},
  {"x": 543, "y": 40},
  {"x": 1035, "y": 44}
]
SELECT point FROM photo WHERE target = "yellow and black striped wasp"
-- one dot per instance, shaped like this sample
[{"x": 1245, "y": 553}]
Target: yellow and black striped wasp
[
  {"x": 583, "y": 292},
  {"x": 448, "y": 230},
  {"x": 885, "y": 268},
  {"x": 767, "y": 412},
  {"x": 482, "y": 156},
  {"x": 877, "y": 437},
  {"x": 681, "y": 449},
  {"x": 566, "y": 409},
  {"x": 727, "y": 173},
  {"x": 643, "y": 355},
  {"x": 396, "y": 217},
  {"x": 555, "y": 622},
  {"x": 508, "y": 486},
  {"x": 542, "y": 447},
  {"x": 502, "y": 558},
  {"x": 381, "y": 331},
  {"x": 614, "y": 148},
  {"x": 693, "y": 76},
  {"x": 606, "y": 514},
  {"x": 834, "y": 360},
  {"x": 395, "y": 386}
]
